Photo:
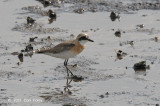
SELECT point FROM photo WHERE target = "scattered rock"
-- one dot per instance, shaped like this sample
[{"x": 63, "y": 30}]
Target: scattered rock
[
  {"x": 51, "y": 14},
  {"x": 32, "y": 39},
  {"x": 101, "y": 96},
  {"x": 126, "y": 43},
  {"x": 140, "y": 26},
  {"x": 28, "y": 48},
  {"x": 107, "y": 93},
  {"x": 157, "y": 39},
  {"x": 120, "y": 54},
  {"x": 69, "y": 104},
  {"x": 30, "y": 21},
  {"x": 144, "y": 15},
  {"x": 131, "y": 43},
  {"x": 49, "y": 37},
  {"x": 46, "y": 3},
  {"x": 72, "y": 35},
  {"x": 3, "y": 89},
  {"x": 29, "y": 71},
  {"x": 117, "y": 33},
  {"x": 141, "y": 66},
  {"x": 113, "y": 16},
  {"x": 75, "y": 65},
  {"x": 69, "y": 93},
  {"x": 22, "y": 50},
  {"x": 18, "y": 63},
  {"x": 20, "y": 56},
  {"x": 79, "y": 10}
]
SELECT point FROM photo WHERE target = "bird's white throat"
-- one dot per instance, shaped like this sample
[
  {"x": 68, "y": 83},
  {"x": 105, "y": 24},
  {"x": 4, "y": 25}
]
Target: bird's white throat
[{"x": 82, "y": 42}]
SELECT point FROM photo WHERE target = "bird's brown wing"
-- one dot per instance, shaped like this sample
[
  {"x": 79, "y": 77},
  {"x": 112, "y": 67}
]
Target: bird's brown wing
[
  {"x": 61, "y": 47},
  {"x": 64, "y": 46}
]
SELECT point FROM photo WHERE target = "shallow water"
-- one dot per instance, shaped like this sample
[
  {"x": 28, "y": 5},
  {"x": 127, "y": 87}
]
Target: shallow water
[{"x": 41, "y": 80}]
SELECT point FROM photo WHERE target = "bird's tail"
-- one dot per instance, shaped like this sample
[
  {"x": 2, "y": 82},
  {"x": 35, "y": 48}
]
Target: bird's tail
[{"x": 36, "y": 51}]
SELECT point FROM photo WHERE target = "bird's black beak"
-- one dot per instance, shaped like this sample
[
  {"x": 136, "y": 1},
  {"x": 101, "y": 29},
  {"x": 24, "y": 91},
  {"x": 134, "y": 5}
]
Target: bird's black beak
[{"x": 90, "y": 40}]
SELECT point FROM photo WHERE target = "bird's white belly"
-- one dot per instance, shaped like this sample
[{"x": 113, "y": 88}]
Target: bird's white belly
[{"x": 65, "y": 55}]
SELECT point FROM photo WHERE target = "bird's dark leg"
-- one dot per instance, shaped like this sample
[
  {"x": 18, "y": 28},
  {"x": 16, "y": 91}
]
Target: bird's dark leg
[{"x": 65, "y": 64}]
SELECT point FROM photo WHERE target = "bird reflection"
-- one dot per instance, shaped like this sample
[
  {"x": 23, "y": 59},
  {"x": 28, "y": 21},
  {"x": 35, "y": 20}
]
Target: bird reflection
[
  {"x": 68, "y": 82},
  {"x": 60, "y": 94},
  {"x": 140, "y": 72},
  {"x": 66, "y": 88}
]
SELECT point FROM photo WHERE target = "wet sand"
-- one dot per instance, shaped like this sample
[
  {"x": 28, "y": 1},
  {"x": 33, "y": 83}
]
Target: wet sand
[{"x": 108, "y": 80}]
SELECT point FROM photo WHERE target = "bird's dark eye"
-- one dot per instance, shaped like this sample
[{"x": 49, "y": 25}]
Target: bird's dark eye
[{"x": 82, "y": 38}]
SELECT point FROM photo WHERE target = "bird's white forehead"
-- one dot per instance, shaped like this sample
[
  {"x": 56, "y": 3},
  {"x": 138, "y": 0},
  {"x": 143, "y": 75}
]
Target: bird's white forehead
[
  {"x": 82, "y": 35},
  {"x": 85, "y": 34}
]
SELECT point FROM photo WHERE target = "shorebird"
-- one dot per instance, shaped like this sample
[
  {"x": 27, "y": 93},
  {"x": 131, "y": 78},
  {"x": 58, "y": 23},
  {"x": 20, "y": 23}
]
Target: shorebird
[{"x": 68, "y": 49}]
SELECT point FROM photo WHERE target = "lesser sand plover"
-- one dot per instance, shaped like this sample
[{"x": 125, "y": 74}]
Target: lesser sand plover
[{"x": 68, "y": 49}]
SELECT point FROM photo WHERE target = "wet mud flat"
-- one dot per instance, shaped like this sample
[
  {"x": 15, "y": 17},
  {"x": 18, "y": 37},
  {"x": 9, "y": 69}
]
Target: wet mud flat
[{"x": 120, "y": 68}]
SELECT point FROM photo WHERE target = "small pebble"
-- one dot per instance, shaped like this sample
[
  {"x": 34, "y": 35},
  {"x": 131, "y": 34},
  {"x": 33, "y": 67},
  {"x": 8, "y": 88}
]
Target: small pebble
[
  {"x": 118, "y": 33},
  {"x": 102, "y": 96},
  {"x": 3, "y": 89},
  {"x": 69, "y": 92},
  {"x": 107, "y": 93}
]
